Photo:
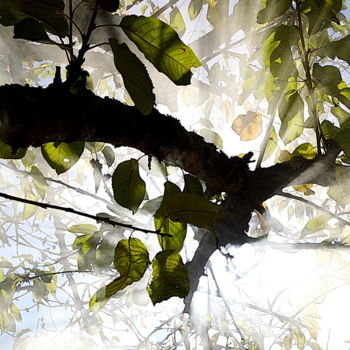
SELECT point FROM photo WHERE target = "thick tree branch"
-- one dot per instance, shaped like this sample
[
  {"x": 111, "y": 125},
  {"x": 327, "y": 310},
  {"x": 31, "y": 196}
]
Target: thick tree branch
[{"x": 33, "y": 116}]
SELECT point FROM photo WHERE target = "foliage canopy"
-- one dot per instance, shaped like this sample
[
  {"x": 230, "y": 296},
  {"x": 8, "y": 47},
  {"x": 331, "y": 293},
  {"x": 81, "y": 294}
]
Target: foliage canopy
[{"x": 293, "y": 99}]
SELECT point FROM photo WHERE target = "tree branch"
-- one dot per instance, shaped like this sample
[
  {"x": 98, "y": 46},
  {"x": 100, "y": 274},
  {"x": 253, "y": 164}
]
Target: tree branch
[{"x": 76, "y": 212}]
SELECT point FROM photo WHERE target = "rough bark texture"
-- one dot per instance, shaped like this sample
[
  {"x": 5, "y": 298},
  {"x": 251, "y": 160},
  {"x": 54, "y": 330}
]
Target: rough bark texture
[{"x": 34, "y": 116}]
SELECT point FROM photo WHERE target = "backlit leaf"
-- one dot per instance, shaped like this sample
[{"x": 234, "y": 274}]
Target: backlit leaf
[
  {"x": 109, "y": 155},
  {"x": 62, "y": 156},
  {"x": 341, "y": 114},
  {"x": 315, "y": 225},
  {"x": 83, "y": 228},
  {"x": 271, "y": 144},
  {"x": 8, "y": 152},
  {"x": 136, "y": 79},
  {"x": 305, "y": 150},
  {"x": 194, "y": 8},
  {"x": 177, "y": 22},
  {"x": 212, "y": 137},
  {"x": 164, "y": 222},
  {"x": 272, "y": 10},
  {"x": 161, "y": 46},
  {"x": 129, "y": 189},
  {"x": 320, "y": 13},
  {"x": 169, "y": 277},
  {"x": 248, "y": 126},
  {"x": 291, "y": 113},
  {"x": 131, "y": 259}
]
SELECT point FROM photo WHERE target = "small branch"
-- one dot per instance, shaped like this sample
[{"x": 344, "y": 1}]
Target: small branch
[
  {"x": 52, "y": 274},
  {"x": 243, "y": 340},
  {"x": 306, "y": 64},
  {"x": 300, "y": 199},
  {"x": 97, "y": 45},
  {"x": 164, "y": 8},
  {"x": 86, "y": 38},
  {"x": 76, "y": 212},
  {"x": 70, "y": 34},
  {"x": 265, "y": 141}
]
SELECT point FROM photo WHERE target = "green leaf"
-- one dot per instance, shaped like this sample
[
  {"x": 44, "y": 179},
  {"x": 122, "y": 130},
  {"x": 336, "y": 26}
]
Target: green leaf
[
  {"x": 321, "y": 13},
  {"x": 271, "y": 144},
  {"x": 87, "y": 245},
  {"x": 193, "y": 209},
  {"x": 244, "y": 14},
  {"x": 305, "y": 150},
  {"x": 136, "y": 79},
  {"x": 8, "y": 152},
  {"x": 39, "y": 181},
  {"x": 28, "y": 159},
  {"x": 131, "y": 259},
  {"x": 272, "y": 10},
  {"x": 338, "y": 48},
  {"x": 339, "y": 191},
  {"x": 169, "y": 277},
  {"x": 300, "y": 337},
  {"x": 291, "y": 113},
  {"x": 185, "y": 208},
  {"x": 217, "y": 12},
  {"x": 277, "y": 51},
  {"x": 315, "y": 224},
  {"x": 80, "y": 240},
  {"x": 30, "y": 29},
  {"x": 341, "y": 114},
  {"x": 62, "y": 156},
  {"x": 164, "y": 223},
  {"x": 194, "y": 8},
  {"x": 105, "y": 254},
  {"x": 340, "y": 135},
  {"x": 343, "y": 140},
  {"x": 48, "y": 12},
  {"x": 328, "y": 78},
  {"x": 329, "y": 130},
  {"x": 177, "y": 22},
  {"x": 192, "y": 185},
  {"x": 129, "y": 189},
  {"x": 161, "y": 46},
  {"x": 109, "y": 155},
  {"x": 83, "y": 228}
]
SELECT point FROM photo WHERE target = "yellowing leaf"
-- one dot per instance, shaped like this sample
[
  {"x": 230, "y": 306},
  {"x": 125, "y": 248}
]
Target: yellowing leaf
[
  {"x": 306, "y": 189},
  {"x": 248, "y": 126}
]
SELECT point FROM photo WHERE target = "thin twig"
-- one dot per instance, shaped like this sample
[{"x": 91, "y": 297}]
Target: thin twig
[
  {"x": 164, "y": 8},
  {"x": 76, "y": 212},
  {"x": 300, "y": 199},
  {"x": 306, "y": 64}
]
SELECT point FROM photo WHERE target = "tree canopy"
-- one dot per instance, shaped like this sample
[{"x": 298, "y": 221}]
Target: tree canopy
[{"x": 82, "y": 96}]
